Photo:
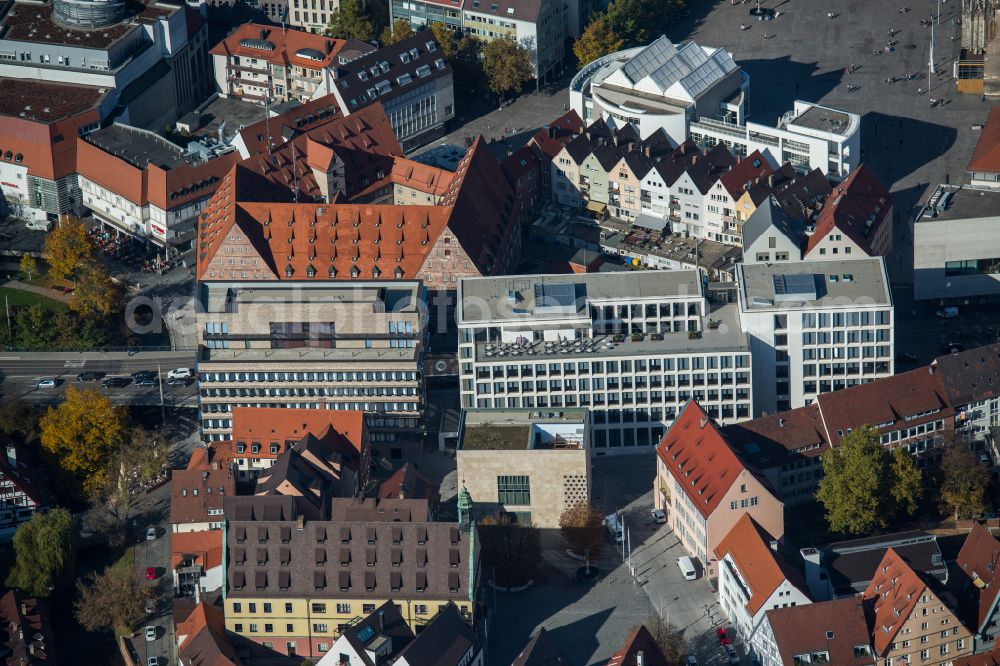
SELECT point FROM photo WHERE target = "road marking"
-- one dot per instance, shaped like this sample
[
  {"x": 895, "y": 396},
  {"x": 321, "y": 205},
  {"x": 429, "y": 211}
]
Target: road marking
[
  {"x": 10, "y": 358},
  {"x": 74, "y": 364}
]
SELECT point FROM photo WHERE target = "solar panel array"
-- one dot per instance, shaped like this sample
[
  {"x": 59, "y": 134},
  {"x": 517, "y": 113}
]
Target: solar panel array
[
  {"x": 649, "y": 59},
  {"x": 801, "y": 286},
  {"x": 664, "y": 65}
]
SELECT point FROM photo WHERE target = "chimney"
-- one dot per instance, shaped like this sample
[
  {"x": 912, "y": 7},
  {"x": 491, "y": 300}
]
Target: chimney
[
  {"x": 381, "y": 622},
  {"x": 774, "y": 545},
  {"x": 215, "y": 464},
  {"x": 704, "y": 421},
  {"x": 781, "y": 423},
  {"x": 648, "y": 149},
  {"x": 300, "y": 523},
  {"x": 329, "y": 47},
  {"x": 694, "y": 159},
  {"x": 12, "y": 456},
  {"x": 640, "y": 658},
  {"x": 263, "y": 34}
]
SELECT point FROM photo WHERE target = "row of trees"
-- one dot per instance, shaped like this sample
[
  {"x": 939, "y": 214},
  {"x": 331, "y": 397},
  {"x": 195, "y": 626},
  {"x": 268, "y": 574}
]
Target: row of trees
[
  {"x": 502, "y": 64},
  {"x": 625, "y": 23},
  {"x": 865, "y": 486}
]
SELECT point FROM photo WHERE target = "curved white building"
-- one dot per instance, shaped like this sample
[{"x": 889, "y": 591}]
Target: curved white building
[{"x": 662, "y": 85}]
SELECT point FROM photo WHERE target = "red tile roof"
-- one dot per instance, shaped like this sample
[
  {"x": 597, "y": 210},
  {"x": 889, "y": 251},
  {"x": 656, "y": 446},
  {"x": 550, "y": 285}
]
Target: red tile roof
[
  {"x": 746, "y": 172},
  {"x": 885, "y": 402},
  {"x": 763, "y": 570},
  {"x": 700, "y": 458},
  {"x": 205, "y": 642},
  {"x": 768, "y": 440},
  {"x": 288, "y": 124},
  {"x": 408, "y": 482},
  {"x": 986, "y": 156},
  {"x": 551, "y": 138},
  {"x": 640, "y": 641},
  {"x": 857, "y": 207},
  {"x": 285, "y": 46},
  {"x": 204, "y": 546},
  {"x": 200, "y": 487},
  {"x": 267, "y": 424},
  {"x": 988, "y": 659},
  {"x": 832, "y": 626},
  {"x": 892, "y": 594},
  {"x": 976, "y": 582}
]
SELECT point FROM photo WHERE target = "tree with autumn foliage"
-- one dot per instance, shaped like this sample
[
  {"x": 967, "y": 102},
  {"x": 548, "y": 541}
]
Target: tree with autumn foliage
[
  {"x": 597, "y": 40},
  {"x": 397, "y": 32},
  {"x": 113, "y": 599},
  {"x": 95, "y": 294},
  {"x": 582, "y": 526},
  {"x": 67, "y": 248},
  {"x": 81, "y": 434}
]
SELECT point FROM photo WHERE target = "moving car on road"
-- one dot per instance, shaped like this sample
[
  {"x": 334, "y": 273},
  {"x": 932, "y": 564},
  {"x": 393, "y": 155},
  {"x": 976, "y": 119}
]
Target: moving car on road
[
  {"x": 144, "y": 378},
  {"x": 115, "y": 382},
  {"x": 47, "y": 383},
  {"x": 180, "y": 373},
  {"x": 89, "y": 376}
]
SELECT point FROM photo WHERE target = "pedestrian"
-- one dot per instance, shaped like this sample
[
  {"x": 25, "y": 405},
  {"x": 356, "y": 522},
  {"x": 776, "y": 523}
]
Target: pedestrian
[{"x": 829, "y": 15}]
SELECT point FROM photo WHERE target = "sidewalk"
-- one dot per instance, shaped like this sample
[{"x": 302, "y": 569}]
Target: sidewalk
[{"x": 35, "y": 289}]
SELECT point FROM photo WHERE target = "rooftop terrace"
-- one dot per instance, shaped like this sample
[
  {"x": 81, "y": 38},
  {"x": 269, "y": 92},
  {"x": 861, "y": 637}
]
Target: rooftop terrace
[
  {"x": 45, "y": 102},
  {"x": 523, "y": 430},
  {"x": 960, "y": 203},
  {"x": 790, "y": 285}
]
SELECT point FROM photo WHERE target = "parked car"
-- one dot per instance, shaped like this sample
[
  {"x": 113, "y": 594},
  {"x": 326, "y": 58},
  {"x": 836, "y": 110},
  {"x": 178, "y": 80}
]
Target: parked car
[
  {"x": 150, "y": 573},
  {"x": 720, "y": 633},
  {"x": 151, "y": 533},
  {"x": 144, "y": 378},
  {"x": 153, "y": 661},
  {"x": 180, "y": 381},
  {"x": 60, "y": 288},
  {"x": 38, "y": 225},
  {"x": 613, "y": 525},
  {"x": 115, "y": 382},
  {"x": 984, "y": 458},
  {"x": 692, "y": 660},
  {"x": 180, "y": 373},
  {"x": 658, "y": 515},
  {"x": 89, "y": 376},
  {"x": 947, "y": 313},
  {"x": 731, "y": 655},
  {"x": 150, "y": 633},
  {"x": 47, "y": 383}
]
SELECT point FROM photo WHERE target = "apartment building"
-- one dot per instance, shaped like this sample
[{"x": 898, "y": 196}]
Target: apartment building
[
  {"x": 537, "y": 24},
  {"x": 967, "y": 378},
  {"x": 147, "y": 59},
  {"x": 632, "y": 348},
  {"x": 703, "y": 506},
  {"x": 319, "y": 344},
  {"x": 909, "y": 622},
  {"x": 815, "y": 327},
  {"x": 139, "y": 183},
  {"x": 693, "y": 187},
  {"x": 294, "y": 585},
  {"x": 828, "y": 632},
  {"x": 769, "y": 235},
  {"x": 720, "y": 220},
  {"x": 661, "y": 86},
  {"x": 549, "y": 473},
  {"x": 549, "y": 140},
  {"x": 975, "y": 584},
  {"x": 754, "y": 577},
  {"x": 260, "y": 63}
]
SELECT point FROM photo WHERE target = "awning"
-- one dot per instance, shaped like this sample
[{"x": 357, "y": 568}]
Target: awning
[
  {"x": 650, "y": 222},
  {"x": 596, "y": 206}
]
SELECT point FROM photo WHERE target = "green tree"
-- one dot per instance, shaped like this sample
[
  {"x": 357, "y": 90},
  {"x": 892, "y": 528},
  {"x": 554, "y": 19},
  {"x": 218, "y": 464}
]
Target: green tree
[
  {"x": 507, "y": 65},
  {"x": 33, "y": 327},
  {"x": 964, "y": 481},
  {"x": 28, "y": 264},
  {"x": 350, "y": 21},
  {"x": 509, "y": 548},
  {"x": 907, "y": 481},
  {"x": 43, "y": 553},
  {"x": 113, "y": 599},
  {"x": 446, "y": 38},
  {"x": 582, "y": 526},
  {"x": 598, "y": 39},
  {"x": 863, "y": 485},
  {"x": 17, "y": 417},
  {"x": 95, "y": 294},
  {"x": 67, "y": 248},
  {"x": 468, "y": 65},
  {"x": 397, "y": 32},
  {"x": 81, "y": 434}
]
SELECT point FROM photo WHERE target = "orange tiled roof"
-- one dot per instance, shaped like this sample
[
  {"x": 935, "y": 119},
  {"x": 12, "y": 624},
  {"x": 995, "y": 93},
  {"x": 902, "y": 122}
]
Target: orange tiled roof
[
  {"x": 639, "y": 641},
  {"x": 977, "y": 583},
  {"x": 986, "y": 156},
  {"x": 266, "y": 424},
  {"x": 858, "y": 200},
  {"x": 893, "y": 593},
  {"x": 748, "y": 170},
  {"x": 205, "y": 546},
  {"x": 748, "y": 544},
  {"x": 285, "y": 45},
  {"x": 700, "y": 457}
]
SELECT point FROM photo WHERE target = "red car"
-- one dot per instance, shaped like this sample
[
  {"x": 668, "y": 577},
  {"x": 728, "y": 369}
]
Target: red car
[
  {"x": 723, "y": 638},
  {"x": 150, "y": 573}
]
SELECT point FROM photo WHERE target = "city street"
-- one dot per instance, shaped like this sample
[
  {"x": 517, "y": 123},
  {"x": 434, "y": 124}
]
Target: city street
[{"x": 22, "y": 371}]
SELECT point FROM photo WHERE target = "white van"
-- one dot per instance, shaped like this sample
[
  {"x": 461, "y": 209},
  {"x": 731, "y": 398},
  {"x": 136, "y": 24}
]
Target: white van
[
  {"x": 613, "y": 524},
  {"x": 38, "y": 225},
  {"x": 687, "y": 568}
]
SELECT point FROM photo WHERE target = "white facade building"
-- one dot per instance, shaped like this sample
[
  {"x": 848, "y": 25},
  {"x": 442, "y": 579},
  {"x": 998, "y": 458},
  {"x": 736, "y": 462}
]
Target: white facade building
[
  {"x": 631, "y": 347},
  {"x": 809, "y": 136},
  {"x": 815, "y": 327},
  {"x": 661, "y": 85}
]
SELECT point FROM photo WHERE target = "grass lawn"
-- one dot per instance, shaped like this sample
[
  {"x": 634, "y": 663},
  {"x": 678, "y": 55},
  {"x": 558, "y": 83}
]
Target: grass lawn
[
  {"x": 126, "y": 561},
  {"x": 26, "y": 298}
]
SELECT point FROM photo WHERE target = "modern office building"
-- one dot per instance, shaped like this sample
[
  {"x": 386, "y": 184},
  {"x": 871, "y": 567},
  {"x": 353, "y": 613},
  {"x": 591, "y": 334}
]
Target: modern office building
[
  {"x": 314, "y": 344},
  {"x": 661, "y": 86},
  {"x": 956, "y": 252},
  {"x": 295, "y": 585},
  {"x": 149, "y": 58},
  {"x": 809, "y": 136},
  {"x": 814, "y": 327},
  {"x": 261, "y": 63},
  {"x": 529, "y": 463},
  {"x": 631, "y": 347}
]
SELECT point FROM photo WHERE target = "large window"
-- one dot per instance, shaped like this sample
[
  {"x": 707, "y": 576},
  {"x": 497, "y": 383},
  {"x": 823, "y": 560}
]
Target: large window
[
  {"x": 972, "y": 267},
  {"x": 514, "y": 490}
]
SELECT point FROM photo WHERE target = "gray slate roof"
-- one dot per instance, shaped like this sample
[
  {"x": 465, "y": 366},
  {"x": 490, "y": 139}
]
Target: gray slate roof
[{"x": 769, "y": 215}]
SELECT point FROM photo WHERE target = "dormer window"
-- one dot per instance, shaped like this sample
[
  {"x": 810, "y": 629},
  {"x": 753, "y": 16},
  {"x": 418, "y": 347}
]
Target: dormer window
[{"x": 355, "y": 272}]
